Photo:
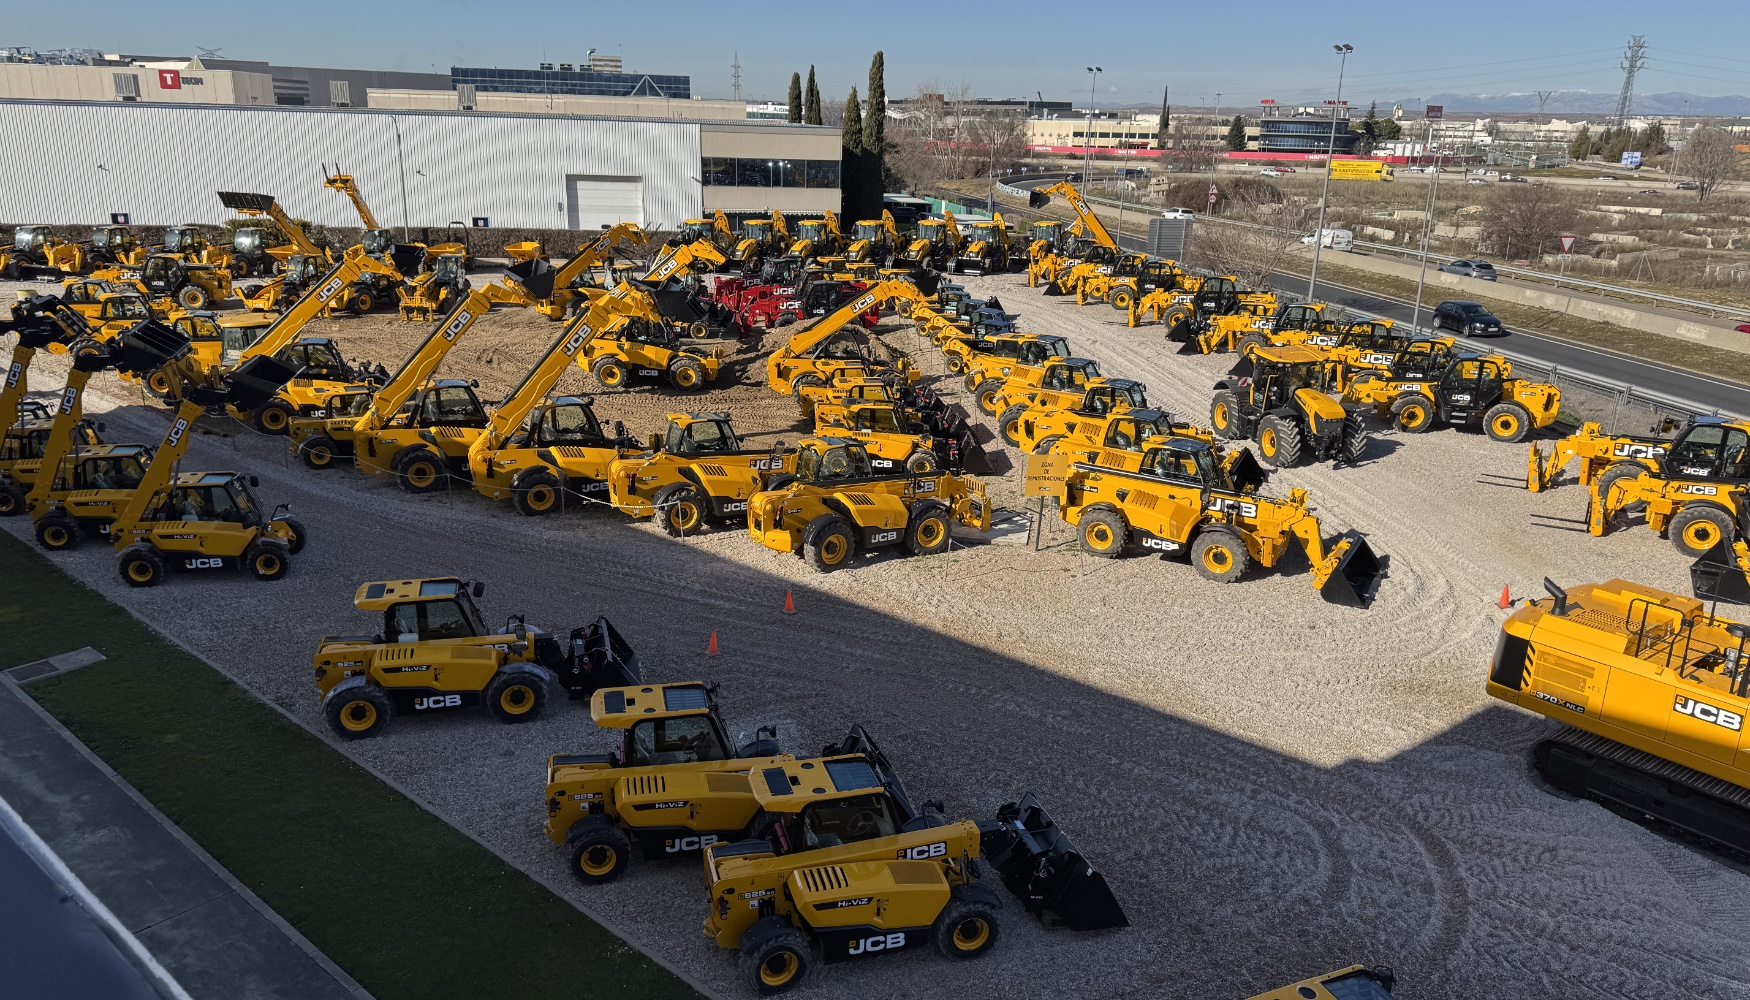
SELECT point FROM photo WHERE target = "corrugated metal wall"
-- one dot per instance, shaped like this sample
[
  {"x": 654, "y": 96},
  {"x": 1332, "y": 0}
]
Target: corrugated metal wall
[{"x": 75, "y": 163}]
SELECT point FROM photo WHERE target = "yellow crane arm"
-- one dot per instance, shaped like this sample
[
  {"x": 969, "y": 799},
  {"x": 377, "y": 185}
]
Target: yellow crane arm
[
  {"x": 888, "y": 224},
  {"x": 1084, "y": 215},
  {"x": 347, "y": 186},
  {"x": 310, "y": 305},
  {"x": 17, "y": 382},
  {"x": 677, "y": 262},
  {"x": 430, "y": 353},
  {"x": 595, "y": 251},
  {"x": 720, "y": 223},
  {"x": 780, "y": 228},
  {"x": 832, "y": 224},
  {"x": 880, "y": 293},
  {"x": 158, "y": 471}
]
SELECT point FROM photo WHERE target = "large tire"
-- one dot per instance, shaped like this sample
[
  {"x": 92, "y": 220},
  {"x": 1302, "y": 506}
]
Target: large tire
[
  {"x": 1219, "y": 555},
  {"x": 679, "y": 510},
  {"x": 610, "y": 372},
  {"x": 955, "y": 363},
  {"x": 1009, "y": 424},
  {"x": 58, "y": 533},
  {"x": 832, "y": 546},
  {"x": 1121, "y": 298},
  {"x": 358, "y": 713},
  {"x": 274, "y": 417},
  {"x": 421, "y": 470},
  {"x": 775, "y": 957},
  {"x": 1696, "y": 529},
  {"x": 986, "y": 395},
  {"x": 300, "y": 535},
  {"x": 1620, "y": 471},
  {"x": 318, "y": 451},
  {"x": 928, "y": 534},
  {"x": 192, "y": 297},
  {"x": 266, "y": 560},
  {"x": 921, "y": 462},
  {"x": 11, "y": 500},
  {"x": 1278, "y": 442},
  {"x": 686, "y": 374},
  {"x": 516, "y": 695},
  {"x": 1354, "y": 436},
  {"x": 1103, "y": 533},
  {"x": 1224, "y": 413},
  {"x": 536, "y": 492},
  {"x": 600, "y": 851},
  {"x": 966, "y": 927},
  {"x": 141, "y": 565},
  {"x": 1250, "y": 341},
  {"x": 362, "y": 301},
  {"x": 1177, "y": 320},
  {"x": 1507, "y": 422},
  {"x": 1412, "y": 414},
  {"x": 159, "y": 384}
]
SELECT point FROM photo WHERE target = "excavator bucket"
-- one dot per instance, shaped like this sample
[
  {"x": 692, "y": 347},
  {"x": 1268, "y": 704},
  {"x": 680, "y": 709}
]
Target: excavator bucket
[
  {"x": 238, "y": 201},
  {"x": 1043, "y": 869},
  {"x": 606, "y": 659},
  {"x": 535, "y": 275},
  {"x": 257, "y": 380},
  {"x": 1717, "y": 576},
  {"x": 407, "y": 258},
  {"x": 147, "y": 348},
  {"x": 1245, "y": 472},
  {"x": 1357, "y": 575},
  {"x": 1038, "y": 199}
]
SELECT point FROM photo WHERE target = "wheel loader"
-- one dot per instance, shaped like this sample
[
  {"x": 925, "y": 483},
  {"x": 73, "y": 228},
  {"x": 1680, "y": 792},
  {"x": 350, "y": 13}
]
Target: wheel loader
[
  {"x": 844, "y": 866},
  {"x": 1465, "y": 389},
  {"x": 1288, "y": 406},
  {"x": 696, "y": 475},
  {"x": 1357, "y": 982},
  {"x": 839, "y": 505},
  {"x": 1698, "y": 498},
  {"x": 1652, "y": 689},
  {"x": 1180, "y": 500},
  {"x": 835, "y": 342},
  {"x": 677, "y": 785},
  {"x": 1599, "y": 454},
  {"x": 435, "y": 654},
  {"x": 190, "y": 285}
]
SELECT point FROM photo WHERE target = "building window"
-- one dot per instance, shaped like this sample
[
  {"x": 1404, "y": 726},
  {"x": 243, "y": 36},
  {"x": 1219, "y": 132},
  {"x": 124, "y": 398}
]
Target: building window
[
  {"x": 718, "y": 171},
  {"x": 723, "y": 171},
  {"x": 823, "y": 173},
  {"x": 752, "y": 173}
]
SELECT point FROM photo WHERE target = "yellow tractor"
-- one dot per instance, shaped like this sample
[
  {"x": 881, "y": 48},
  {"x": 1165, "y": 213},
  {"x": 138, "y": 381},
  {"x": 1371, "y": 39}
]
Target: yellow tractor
[
  {"x": 890, "y": 435},
  {"x": 435, "y": 654},
  {"x": 116, "y": 245},
  {"x": 1063, "y": 380},
  {"x": 1133, "y": 276},
  {"x": 839, "y": 505},
  {"x": 40, "y": 322},
  {"x": 697, "y": 474},
  {"x": 1697, "y": 498},
  {"x": 1599, "y": 454},
  {"x": 986, "y": 249},
  {"x": 1180, "y": 500},
  {"x": 999, "y": 355},
  {"x": 639, "y": 344},
  {"x": 1292, "y": 408},
  {"x": 1030, "y": 422},
  {"x": 873, "y": 244},
  {"x": 190, "y": 285},
  {"x": 1464, "y": 388}
]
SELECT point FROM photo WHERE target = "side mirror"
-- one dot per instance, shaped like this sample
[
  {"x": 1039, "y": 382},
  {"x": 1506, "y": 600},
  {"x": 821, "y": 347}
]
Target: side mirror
[
  {"x": 100, "y": 427},
  {"x": 655, "y": 442},
  {"x": 479, "y": 589}
]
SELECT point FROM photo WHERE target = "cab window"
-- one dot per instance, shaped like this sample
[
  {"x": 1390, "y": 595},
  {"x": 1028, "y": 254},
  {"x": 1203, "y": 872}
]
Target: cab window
[
  {"x": 1100, "y": 399},
  {"x": 569, "y": 423},
  {"x": 709, "y": 437},
  {"x": 1124, "y": 435},
  {"x": 452, "y": 406},
  {"x": 674, "y": 741},
  {"x": 203, "y": 503},
  {"x": 844, "y": 463},
  {"x": 877, "y": 419},
  {"x": 848, "y": 821},
  {"x": 1712, "y": 451},
  {"x": 80, "y": 293},
  {"x": 424, "y": 620}
]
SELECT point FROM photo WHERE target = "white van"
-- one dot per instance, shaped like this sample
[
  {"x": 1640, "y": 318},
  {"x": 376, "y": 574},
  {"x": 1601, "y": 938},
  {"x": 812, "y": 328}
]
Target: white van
[{"x": 1334, "y": 239}]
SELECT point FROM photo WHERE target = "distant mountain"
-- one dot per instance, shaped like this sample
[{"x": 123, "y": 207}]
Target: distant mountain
[{"x": 1585, "y": 102}]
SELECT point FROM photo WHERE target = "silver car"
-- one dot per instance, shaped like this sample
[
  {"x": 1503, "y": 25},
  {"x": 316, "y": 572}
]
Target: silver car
[{"x": 1471, "y": 269}]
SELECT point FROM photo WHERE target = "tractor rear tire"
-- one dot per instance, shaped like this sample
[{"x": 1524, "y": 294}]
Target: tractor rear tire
[
  {"x": 192, "y": 297},
  {"x": 986, "y": 394},
  {"x": 1507, "y": 422},
  {"x": 359, "y": 713},
  {"x": 929, "y": 534},
  {"x": 318, "y": 451},
  {"x": 1696, "y": 529},
  {"x": 775, "y": 957},
  {"x": 921, "y": 462},
  {"x": 1412, "y": 414},
  {"x": 58, "y": 532},
  {"x": 1279, "y": 442},
  {"x": 265, "y": 560},
  {"x": 1354, "y": 436},
  {"x": 832, "y": 546},
  {"x": 142, "y": 566},
  {"x": 1103, "y": 533},
  {"x": 1009, "y": 424},
  {"x": 610, "y": 372},
  {"x": 1219, "y": 555},
  {"x": 300, "y": 536},
  {"x": 600, "y": 851},
  {"x": 516, "y": 695},
  {"x": 274, "y": 417},
  {"x": 11, "y": 500},
  {"x": 679, "y": 510},
  {"x": 966, "y": 927},
  {"x": 536, "y": 492},
  {"x": 420, "y": 470},
  {"x": 686, "y": 374},
  {"x": 1224, "y": 412}
]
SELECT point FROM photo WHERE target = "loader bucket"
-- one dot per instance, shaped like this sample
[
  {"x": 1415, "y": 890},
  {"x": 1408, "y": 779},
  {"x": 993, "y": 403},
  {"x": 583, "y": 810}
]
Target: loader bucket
[
  {"x": 1038, "y": 199},
  {"x": 926, "y": 279},
  {"x": 258, "y": 380},
  {"x": 407, "y": 258},
  {"x": 1246, "y": 473},
  {"x": 1716, "y": 576},
  {"x": 535, "y": 275},
  {"x": 147, "y": 348},
  {"x": 607, "y": 659},
  {"x": 1040, "y": 866},
  {"x": 238, "y": 201},
  {"x": 1356, "y": 575}
]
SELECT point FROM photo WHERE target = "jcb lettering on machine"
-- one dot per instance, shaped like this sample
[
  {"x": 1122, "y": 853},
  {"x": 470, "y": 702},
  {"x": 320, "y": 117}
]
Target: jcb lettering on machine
[
  {"x": 437, "y": 701},
  {"x": 877, "y": 942}
]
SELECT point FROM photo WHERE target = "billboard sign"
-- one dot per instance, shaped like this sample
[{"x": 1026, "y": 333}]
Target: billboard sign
[
  {"x": 1632, "y": 160},
  {"x": 1435, "y": 112}
]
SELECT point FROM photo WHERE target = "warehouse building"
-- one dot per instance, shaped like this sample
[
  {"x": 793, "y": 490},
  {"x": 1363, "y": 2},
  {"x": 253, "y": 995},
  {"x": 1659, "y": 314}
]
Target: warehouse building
[{"x": 158, "y": 163}]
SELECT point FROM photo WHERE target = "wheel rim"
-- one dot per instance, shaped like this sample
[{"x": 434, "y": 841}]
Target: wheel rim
[
  {"x": 1412, "y": 416},
  {"x": 930, "y": 532},
  {"x": 159, "y": 382},
  {"x": 1267, "y": 441},
  {"x": 1219, "y": 416},
  {"x": 684, "y": 514},
  {"x": 421, "y": 474},
  {"x": 358, "y": 716},
  {"x": 273, "y": 419},
  {"x": 1217, "y": 559},
  {"x": 779, "y": 969},
  {"x": 832, "y": 550},
  {"x": 598, "y": 860},
  {"x": 140, "y": 571},
  {"x": 540, "y": 497},
  {"x": 8, "y": 503},
  {"x": 1506, "y": 423},
  {"x": 518, "y": 699},
  {"x": 1098, "y": 536},
  {"x": 1013, "y": 430},
  {"x": 611, "y": 375},
  {"x": 319, "y": 455},
  {"x": 971, "y": 934},
  {"x": 267, "y": 564},
  {"x": 988, "y": 402},
  {"x": 55, "y": 535},
  {"x": 1700, "y": 534}
]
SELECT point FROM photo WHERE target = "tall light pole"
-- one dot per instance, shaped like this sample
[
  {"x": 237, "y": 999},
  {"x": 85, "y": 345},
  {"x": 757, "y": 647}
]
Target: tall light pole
[
  {"x": 1088, "y": 136},
  {"x": 1427, "y": 227},
  {"x": 1330, "y": 151},
  {"x": 402, "y": 166}
]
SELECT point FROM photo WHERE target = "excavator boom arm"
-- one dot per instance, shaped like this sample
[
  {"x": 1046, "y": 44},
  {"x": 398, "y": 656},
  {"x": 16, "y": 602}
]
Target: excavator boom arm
[
  {"x": 349, "y": 187},
  {"x": 1089, "y": 222},
  {"x": 879, "y": 293},
  {"x": 677, "y": 262},
  {"x": 596, "y": 250}
]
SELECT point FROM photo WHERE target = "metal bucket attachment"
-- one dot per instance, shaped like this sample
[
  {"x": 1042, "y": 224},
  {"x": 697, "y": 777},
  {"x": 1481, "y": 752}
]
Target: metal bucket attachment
[
  {"x": 926, "y": 279},
  {"x": 407, "y": 258},
  {"x": 1716, "y": 576},
  {"x": 1242, "y": 367},
  {"x": 147, "y": 348},
  {"x": 256, "y": 381},
  {"x": 1040, "y": 866},
  {"x": 535, "y": 275},
  {"x": 238, "y": 201},
  {"x": 606, "y": 659},
  {"x": 1037, "y": 199},
  {"x": 1246, "y": 473},
  {"x": 1356, "y": 577}
]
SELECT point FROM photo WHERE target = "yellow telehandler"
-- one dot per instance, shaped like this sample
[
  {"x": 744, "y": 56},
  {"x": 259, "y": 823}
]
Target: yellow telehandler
[
  {"x": 1697, "y": 497},
  {"x": 38, "y": 254},
  {"x": 697, "y": 475},
  {"x": 1293, "y": 407},
  {"x": 1599, "y": 454},
  {"x": 837, "y": 342},
  {"x": 558, "y": 292},
  {"x": 1459, "y": 388}
]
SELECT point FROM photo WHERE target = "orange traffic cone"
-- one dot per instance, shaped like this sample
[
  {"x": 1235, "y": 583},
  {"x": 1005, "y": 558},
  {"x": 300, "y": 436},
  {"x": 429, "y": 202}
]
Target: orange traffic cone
[
  {"x": 789, "y": 603},
  {"x": 1506, "y": 600},
  {"x": 711, "y": 650}
]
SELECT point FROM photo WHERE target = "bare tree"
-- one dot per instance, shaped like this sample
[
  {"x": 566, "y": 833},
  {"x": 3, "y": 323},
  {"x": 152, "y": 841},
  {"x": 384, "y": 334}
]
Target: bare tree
[
  {"x": 1709, "y": 159},
  {"x": 929, "y": 135},
  {"x": 1192, "y": 148},
  {"x": 1252, "y": 254},
  {"x": 1525, "y": 218}
]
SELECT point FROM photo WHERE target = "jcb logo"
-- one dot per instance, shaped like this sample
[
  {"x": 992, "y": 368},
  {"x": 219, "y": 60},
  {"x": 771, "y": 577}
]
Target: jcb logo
[
  {"x": 1376, "y": 359},
  {"x": 176, "y": 431},
  {"x": 1228, "y": 505},
  {"x": 881, "y": 463},
  {"x": 13, "y": 374},
  {"x": 1322, "y": 341},
  {"x": 879, "y": 942},
  {"x": 680, "y": 844},
  {"x": 926, "y": 486},
  {"x": 329, "y": 289},
  {"x": 69, "y": 399},
  {"x": 765, "y": 464},
  {"x": 592, "y": 487},
  {"x": 665, "y": 270},
  {"x": 457, "y": 325},
  {"x": 1710, "y": 713},
  {"x": 925, "y": 852},
  {"x": 437, "y": 701},
  {"x": 1695, "y": 489},
  {"x": 207, "y": 563},
  {"x": 735, "y": 507},
  {"x": 1160, "y": 543},
  {"x": 577, "y": 338},
  {"x": 862, "y": 303},
  {"x": 1638, "y": 451},
  {"x": 883, "y": 536}
]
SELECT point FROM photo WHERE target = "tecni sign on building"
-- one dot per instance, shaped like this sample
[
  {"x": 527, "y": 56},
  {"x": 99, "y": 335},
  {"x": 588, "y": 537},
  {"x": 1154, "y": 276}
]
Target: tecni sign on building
[{"x": 172, "y": 79}]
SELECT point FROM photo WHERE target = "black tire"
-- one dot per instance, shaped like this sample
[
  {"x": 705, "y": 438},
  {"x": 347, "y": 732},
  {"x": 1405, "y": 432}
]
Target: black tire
[
  {"x": 536, "y": 492},
  {"x": 986, "y": 395},
  {"x": 1620, "y": 471},
  {"x": 1224, "y": 412},
  {"x": 967, "y": 927},
  {"x": 516, "y": 695},
  {"x": 1044, "y": 445},
  {"x": 955, "y": 363},
  {"x": 1009, "y": 424},
  {"x": 832, "y": 545},
  {"x": 1279, "y": 442},
  {"x": 192, "y": 297},
  {"x": 1177, "y": 320},
  {"x": 421, "y": 470},
  {"x": 610, "y": 372},
  {"x": 775, "y": 957},
  {"x": 928, "y": 533},
  {"x": 1219, "y": 555},
  {"x": 679, "y": 510},
  {"x": 1122, "y": 296},
  {"x": 361, "y": 302},
  {"x": 1103, "y": 533},
  {"x": 686, "y": 374},
  {"x": 1412, "y": 414},
  {"x": 600, "y": 851},
  {"x": 921, "y": 462},
  {"x": 1507, "y": 422},
  {"x": 11, "y": 499},
  {"x": 1354, "y": 435},
  {"x": 300, "y": 536},
  {"x": 1696, "y": 529},
  {"x": 1250, "y": 340},
  {"x": 58, "y": 533},
  {"x": 274, "y": 417},
  {"x": 141, "y": 565},
  {"x": 159, "y": 384},
  {"x": 358, "y": 713},
  {"x": 266, "y": 560},
  {"x": 318, "y": 451}
]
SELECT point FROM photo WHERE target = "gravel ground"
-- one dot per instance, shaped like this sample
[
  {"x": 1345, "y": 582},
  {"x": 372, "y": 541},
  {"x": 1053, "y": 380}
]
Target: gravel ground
[{"x": 1275, "y": 786}]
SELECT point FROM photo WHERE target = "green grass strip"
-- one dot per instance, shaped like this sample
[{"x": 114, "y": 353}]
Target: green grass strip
[{"x": 406, "y": 904}]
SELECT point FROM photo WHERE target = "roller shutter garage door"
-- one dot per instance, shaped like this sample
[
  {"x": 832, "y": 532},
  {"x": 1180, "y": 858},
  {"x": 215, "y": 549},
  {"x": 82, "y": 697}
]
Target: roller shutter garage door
[{"x": 593, "y": 201}]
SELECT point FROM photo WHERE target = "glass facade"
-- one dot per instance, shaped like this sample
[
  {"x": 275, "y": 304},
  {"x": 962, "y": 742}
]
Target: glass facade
[
  {"x": 581, "y": 83},
  {"x": 728, "y": 171},
  {"x": 1304, "y": 134}
]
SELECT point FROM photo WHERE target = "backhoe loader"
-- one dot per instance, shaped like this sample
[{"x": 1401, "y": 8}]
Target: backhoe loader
[
  {"x": 985, "y": 249},
  {"x": 696, "y": 475},
  {"x": 935, "y": 245},
  {"x": 559, "y": 292},
  {"x": 814, "y": 354},
  {"x": 1292, "y": 408},
  {"x": 1464, "y": 389},
  {"x": 843, "y": 866},
  {"x": 759, "y": 239},
  {"x": 1132, "y": 277},
  {"x": 430, "y": 293},
  {"x": 435, "y": 653},
  {"x": 678, "y": 783},
  {"x": 1101, "y": 243},
  {"x": 1600, "y": 455},
  {"x": 1180, "y": 500},
  {"x": 873, "y": 244},
  {"x": 1700, "y": 495},
  {"x": 839, "y": 505},
  {"x": 1220, "y": 313}
]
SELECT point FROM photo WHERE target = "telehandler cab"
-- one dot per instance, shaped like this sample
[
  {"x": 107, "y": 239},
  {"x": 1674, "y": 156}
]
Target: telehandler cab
[
  {"x": 695, "y": 475},
  {"x": 1060, "y": 380},
  {"x": 1026, "y": 423},
  {"x": 1289, "y": 408},
  {"x": 38, "y": 254},
  {"x": 116, "y": 245},
  {"x": 1697, "y": 497},
  {"x": 435, "y": 653}
]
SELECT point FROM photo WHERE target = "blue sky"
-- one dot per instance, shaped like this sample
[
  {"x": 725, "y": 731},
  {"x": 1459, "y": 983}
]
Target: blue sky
[{"x": 1249, "y": 51}]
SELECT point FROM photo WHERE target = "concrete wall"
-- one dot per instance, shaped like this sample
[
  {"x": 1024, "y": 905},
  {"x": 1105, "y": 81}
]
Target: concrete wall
[
  {"x": 541, "y": 104},
  {"x": 97, "y": 83}
]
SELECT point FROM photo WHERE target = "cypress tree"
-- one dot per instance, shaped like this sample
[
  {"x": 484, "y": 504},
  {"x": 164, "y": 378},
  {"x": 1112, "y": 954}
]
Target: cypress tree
[
  {"x": 1236, "y": 134},
  {"x": 811, "y": 101},
  {"x": 795, "y": 98},
  {"x": 1581, "y": 147},
  {"x": 851, "y": 160},
  {"x": 875, "y": 120},
  {"x": 1164, "y": 135}
]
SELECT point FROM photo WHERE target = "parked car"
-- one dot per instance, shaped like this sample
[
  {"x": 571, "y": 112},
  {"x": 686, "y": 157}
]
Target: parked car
[
  {"x": 1605, "y": 177},
  {"x": 1471, "y": 269},
  {"x": 1282, "y": 168},
  {"x": 1075, "y": 178},
  {"x": 1476, "y": 180},
  {"x": 1650, "y": 191},
  {"x": 1688, "y": 186},
  {"x": 1742, "y": 328},
  {"x": 1467, "y": 319},
  {"x": 1512, "y": 179},
  {"x": 1335, "y": 239},
  {"x": 1178, "y": 213}
]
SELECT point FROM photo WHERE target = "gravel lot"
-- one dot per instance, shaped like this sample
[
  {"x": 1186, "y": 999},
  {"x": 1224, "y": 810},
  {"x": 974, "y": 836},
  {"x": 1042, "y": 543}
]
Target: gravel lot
[{"x": 1275, "y": 786}]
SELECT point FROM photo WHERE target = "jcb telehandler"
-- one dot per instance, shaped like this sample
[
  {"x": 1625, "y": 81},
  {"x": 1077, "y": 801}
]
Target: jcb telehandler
[
  {"x": 1466, "y": 389},
  {"x": 1700, "y": 495},
  {"x": 116, "y": 245},
  {"x": 893, "y": 438},
  {"x": 250, "y": 254},
  {"x": 38, "y": 254},
  {"x": 697, "y": 475},
  {"x": 40, "y": 322},
  {"x": 1064, "y": 380},
  {"x": 190, "y": 285},
  {"x": 558, "y": 293},
  {"x": 813, "y": 355},
  {"x": 1601, "y": 456},
  {"x": 1181, "y": 500},
  {"x": 1357, "y": 982},
  {"x": 435, "y": 653},
  {"x": 1024, "y": 422},
  {"x": 1291, "y": 407},
  {"x": 1000, "y": 355}
]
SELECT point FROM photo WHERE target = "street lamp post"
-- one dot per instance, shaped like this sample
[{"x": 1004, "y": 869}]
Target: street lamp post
[
  {"x": 1088, "y": 136},
  {"x": 402, "y": 166},
  {"x": 1427, "y": 228},
  {"x": 1330, "y": 151}
]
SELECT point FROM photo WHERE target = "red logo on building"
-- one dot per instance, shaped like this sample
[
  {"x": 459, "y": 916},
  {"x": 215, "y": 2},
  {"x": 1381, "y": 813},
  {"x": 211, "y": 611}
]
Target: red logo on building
[{"x": 169, "y": 79}]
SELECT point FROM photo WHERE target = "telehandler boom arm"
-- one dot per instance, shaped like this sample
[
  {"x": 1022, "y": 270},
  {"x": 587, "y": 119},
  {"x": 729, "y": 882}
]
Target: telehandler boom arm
[
  {"x": 326, "y": 290},
  {"x": 265, "y": 204},
  {"x": 677, "y": 262},
  {"x": 880, "y": 293},
  {"x": 425, "y": 358},
  {"x": 347, "y": 186},
  {"x": 1084, "y": 215},
  {"x": 596, "y": 250}
]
